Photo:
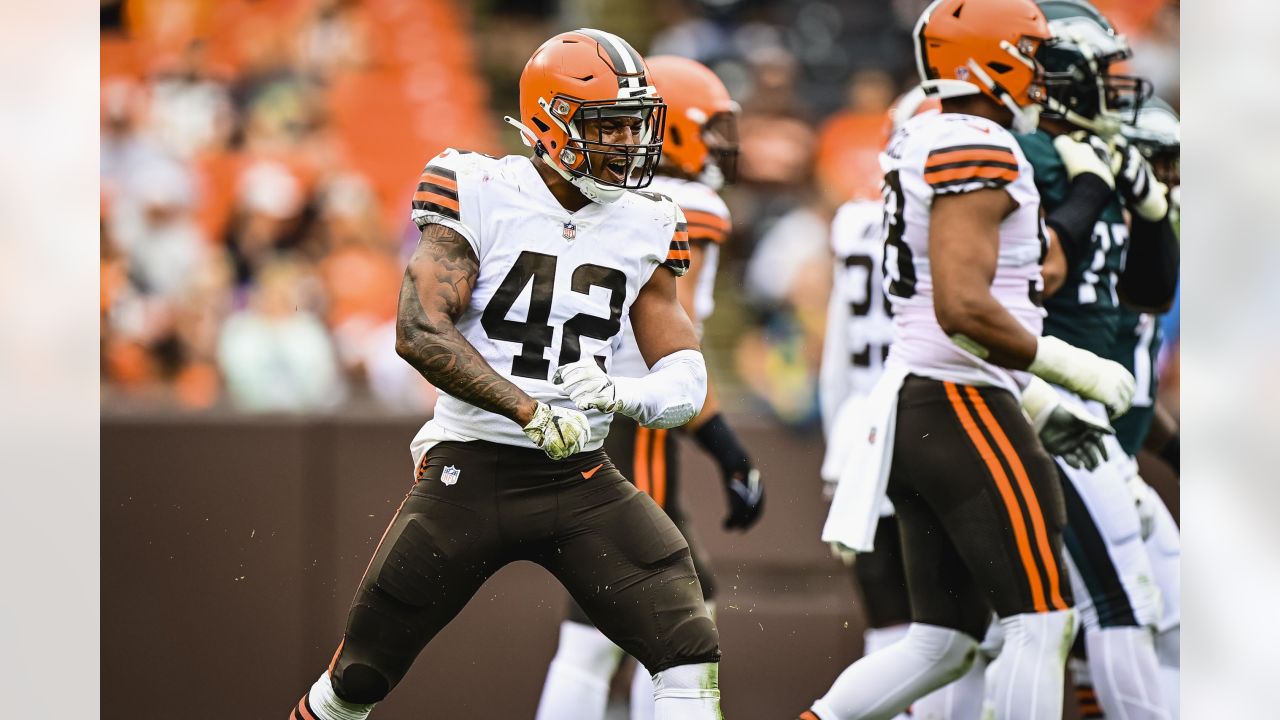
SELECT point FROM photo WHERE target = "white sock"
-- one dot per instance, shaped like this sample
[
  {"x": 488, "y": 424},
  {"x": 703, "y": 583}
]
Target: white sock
[
  {"x": 883, "y": 684},
  {"x": 687, "y": 692},
  {"x": 876, "y": 639},
  {"x": 577, "y": 686},
  {"x": 1122, "y": 661},
  {"x": 960, "y": 700},
  {"x": 1169, "y": 655},
  {"x": 321, "y": 703},
  {"x": 641, "y": 694},
  {"x": 1027, "y": 682}
]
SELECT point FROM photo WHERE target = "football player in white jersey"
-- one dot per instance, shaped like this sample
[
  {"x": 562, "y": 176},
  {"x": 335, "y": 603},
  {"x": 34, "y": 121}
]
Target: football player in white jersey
[
  {"x": 855, "y": 347},
  {"x": 699, "y": 153},
  {"x": 979, "y": 507},
  {"x": 513, "y": 305}
]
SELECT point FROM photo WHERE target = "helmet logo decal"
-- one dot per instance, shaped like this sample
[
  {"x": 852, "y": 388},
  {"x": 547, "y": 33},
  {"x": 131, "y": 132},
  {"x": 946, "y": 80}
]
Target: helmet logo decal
[{"x": 962, "y": 73}]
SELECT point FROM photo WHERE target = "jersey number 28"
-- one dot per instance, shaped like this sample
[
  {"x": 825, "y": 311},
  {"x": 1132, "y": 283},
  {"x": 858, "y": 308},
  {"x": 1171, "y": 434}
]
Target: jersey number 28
[{"x": 534, "y": 333}]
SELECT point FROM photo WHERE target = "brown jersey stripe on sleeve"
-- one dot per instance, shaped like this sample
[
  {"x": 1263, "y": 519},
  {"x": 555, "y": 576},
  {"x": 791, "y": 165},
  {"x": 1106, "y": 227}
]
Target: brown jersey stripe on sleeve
[
  {"x": 996, "y": 149},
  {"x": 441, "y": 174},
  {"x": 429, "y": 185},
  {"x": 969, "y": 163}
]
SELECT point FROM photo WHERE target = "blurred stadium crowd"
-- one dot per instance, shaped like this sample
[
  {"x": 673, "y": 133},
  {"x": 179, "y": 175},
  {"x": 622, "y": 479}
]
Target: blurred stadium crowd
[{"x": 257, "y": 159}]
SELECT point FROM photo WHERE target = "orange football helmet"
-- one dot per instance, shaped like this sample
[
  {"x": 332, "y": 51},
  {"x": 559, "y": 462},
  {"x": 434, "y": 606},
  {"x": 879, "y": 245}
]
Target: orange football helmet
[
  {"x": 701, "y": 135},
  {"x": 967, "y": 47},
  {"x": 575, "y": 82}
]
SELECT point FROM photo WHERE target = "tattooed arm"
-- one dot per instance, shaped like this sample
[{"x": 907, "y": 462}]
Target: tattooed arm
[{"x": 436, "y": 289}]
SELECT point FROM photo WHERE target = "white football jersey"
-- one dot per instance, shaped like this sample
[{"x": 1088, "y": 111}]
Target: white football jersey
[
  {"x": 708, "y": 220},
  {"x": 859, "y": 319},
  {"x": 553, "y": 284},
  {"x": 944, "y": 153}
]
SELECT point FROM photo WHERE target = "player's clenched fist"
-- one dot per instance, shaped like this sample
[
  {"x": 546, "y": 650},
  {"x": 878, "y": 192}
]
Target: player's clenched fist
[
  {"x": 587, "y": 385},
  {"x": 560, "y": 432}
]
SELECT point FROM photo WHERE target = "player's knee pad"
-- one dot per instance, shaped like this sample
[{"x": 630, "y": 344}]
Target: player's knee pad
[
  {"x": 689, "y": 641},
  {"x": 360, "y": 683},
  {"x": 586, "y": 649},
  {"x": 689, "y": 681}
]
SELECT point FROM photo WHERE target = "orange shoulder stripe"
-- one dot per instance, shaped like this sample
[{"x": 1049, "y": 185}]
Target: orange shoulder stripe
[
  {"x": 437, "y": 198},
  {"x": 431, "y": 176},
  {"x": 981, "y": 172}
]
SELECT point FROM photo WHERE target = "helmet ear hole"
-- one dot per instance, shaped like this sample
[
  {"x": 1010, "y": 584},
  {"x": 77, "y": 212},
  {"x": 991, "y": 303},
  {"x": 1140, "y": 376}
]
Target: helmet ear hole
[
  {"x": 543, "y": 127},
  {"x": 999, "y": 67},
  {"x": 673, "y": 134}
]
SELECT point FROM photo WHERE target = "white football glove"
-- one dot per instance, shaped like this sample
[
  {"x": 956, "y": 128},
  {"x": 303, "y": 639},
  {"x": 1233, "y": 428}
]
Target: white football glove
[
  {"x": 1085, "y": 154},
  {"x": 560, "y": 432},
  {"x": 1143, "y": 193},
  {"x": 1066, "y": 430},
  {"x": 1084, "y": 373},
  {"x": 588, "y": 386}
]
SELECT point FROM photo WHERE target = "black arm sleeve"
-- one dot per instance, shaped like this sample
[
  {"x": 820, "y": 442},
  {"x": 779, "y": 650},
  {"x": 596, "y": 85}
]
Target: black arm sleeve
[
  {"x": 1150, "y": 277},
  {"x": 1074, "y": 219}
]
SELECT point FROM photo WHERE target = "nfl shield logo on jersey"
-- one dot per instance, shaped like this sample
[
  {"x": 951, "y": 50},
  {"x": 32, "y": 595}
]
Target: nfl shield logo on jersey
[
  {"x": 450, "y": 475},
  {"x": 569, "y": 232}
]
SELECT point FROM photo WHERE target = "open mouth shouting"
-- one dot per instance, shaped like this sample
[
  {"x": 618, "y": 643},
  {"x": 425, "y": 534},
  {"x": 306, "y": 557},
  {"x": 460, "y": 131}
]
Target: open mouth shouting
[{"x": 616, "y": 170}]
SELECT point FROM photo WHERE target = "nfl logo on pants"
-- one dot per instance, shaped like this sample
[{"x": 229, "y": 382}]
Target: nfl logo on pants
[{"x": 450, "y": 475}]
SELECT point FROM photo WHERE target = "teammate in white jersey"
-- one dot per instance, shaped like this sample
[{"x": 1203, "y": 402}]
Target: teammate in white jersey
[
  {"x": 698, "y": 155},
  {"x": 513, "y": 305},
  {"x": 979, "y": 508}
]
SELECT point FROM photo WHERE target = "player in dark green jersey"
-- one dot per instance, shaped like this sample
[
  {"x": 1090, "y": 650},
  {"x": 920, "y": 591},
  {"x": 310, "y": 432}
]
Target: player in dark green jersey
[{"x": 1109, "y": 218}]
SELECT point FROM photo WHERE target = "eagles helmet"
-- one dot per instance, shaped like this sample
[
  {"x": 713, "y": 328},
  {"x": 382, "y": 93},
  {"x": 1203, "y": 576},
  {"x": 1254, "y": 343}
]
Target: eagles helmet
[
  {"x": 1157, "y": 134},
  {"x": 1078, "y": 80}
]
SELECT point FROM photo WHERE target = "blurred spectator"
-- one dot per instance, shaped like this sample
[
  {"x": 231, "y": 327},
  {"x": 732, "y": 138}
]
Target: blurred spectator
[
  {"x": 275, "y": 354},
  {"x": 155, "y": 228},
  {"x": 777, "y": 139},
  {"x": 190, "y": 109},
  {"x": 333, "y": 36},
  {"x": 687, "y": 32},
  {"x": 267, "y": 217},
  {"x": 849, "y": 142},
  {"x": 789, "y": 279}
]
